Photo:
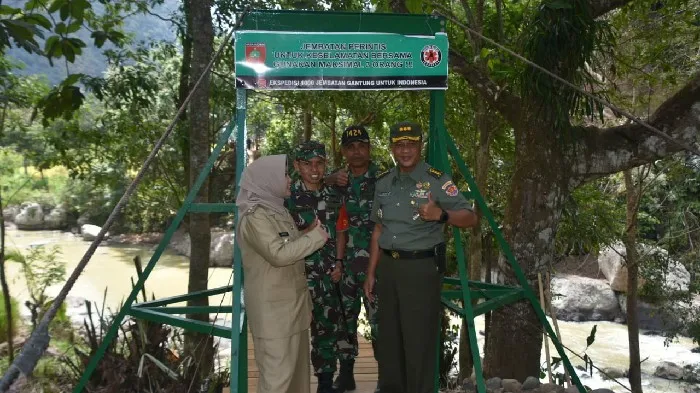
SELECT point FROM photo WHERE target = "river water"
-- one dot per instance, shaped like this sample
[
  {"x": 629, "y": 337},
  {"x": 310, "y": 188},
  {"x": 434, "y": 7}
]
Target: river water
[{"x": 112, "y": 267}]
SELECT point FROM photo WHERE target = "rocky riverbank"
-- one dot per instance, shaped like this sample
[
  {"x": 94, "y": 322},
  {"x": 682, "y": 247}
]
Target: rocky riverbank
[
  {"x": 600, "y": 294},
  {"x": 31, "y": 216}
]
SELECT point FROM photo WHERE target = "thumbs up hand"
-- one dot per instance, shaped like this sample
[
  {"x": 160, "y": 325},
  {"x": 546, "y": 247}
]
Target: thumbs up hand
[
  {"x": 338, "y": 178},
  {"x": 430, "y": 211}
]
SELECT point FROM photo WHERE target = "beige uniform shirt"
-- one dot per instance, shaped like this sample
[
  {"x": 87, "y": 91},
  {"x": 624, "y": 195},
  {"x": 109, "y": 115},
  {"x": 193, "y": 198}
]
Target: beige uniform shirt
[{"x": 277, "y": 298}]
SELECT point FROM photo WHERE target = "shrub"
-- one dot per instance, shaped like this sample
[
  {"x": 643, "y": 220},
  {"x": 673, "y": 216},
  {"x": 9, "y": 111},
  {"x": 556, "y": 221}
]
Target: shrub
[{"x": 3, "y": 317}]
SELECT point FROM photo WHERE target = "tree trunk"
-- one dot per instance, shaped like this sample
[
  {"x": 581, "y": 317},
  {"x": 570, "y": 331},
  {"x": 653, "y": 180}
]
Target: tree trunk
[
  {"x": 490, "y": 260},
  {"x": 334, "y": 135},
  {"x": 5, "y": 287},
  {"x": 485, "y": 127},
  {"x": 537, "y": 192},
  {"x": 198, "y": 345},
  {"x": 181, "y": 135},
  {"x": 632, "y": 261},
  {"x": 307, "y": 124}
]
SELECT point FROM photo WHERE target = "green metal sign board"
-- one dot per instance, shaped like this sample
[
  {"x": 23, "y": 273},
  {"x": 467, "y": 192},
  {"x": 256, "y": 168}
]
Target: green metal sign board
[{"x": 340, "y": 61}]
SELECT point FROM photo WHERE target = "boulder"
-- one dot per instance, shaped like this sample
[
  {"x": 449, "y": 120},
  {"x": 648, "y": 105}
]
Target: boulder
[
  {"x": 692, "y": 389},
  {"x": 531, "y": 383},
  {"x": 220, "y": 252},
  {"x": 493, "y": 383},
  {"x": 57, "y": 218},
  {"x": 10, "y": 212},
  {"x": 31, "y": 216},
  {"x": 83, "y": 219},
  {"x": 669, "y": 370},
  {"x": 677, "y": 278},
  {"x": 613, "y": 373},
  {"x": 551, "y": 388},
  {"x": 611, "y": 262},
  {"x": 655, "y": 319},
  {"x": 89, "y": 232},
  {"x": 691, "y": 374},
  {"x": 468, "y": 385},
  {"x": 511, "y": 385},
  {"x": 584, "y": 299}
]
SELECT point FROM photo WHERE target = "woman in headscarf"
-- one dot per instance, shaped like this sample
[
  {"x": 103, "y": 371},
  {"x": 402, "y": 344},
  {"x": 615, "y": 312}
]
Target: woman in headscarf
[{"x": 277, "y": 298}]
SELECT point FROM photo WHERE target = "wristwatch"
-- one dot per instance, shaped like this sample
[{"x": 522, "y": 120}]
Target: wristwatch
[{"x": 444, "y": 217}]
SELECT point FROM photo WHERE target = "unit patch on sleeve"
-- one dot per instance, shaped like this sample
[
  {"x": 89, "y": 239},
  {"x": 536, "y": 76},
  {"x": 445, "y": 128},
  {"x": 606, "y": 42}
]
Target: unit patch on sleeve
[{"x": 452, "y": 190}]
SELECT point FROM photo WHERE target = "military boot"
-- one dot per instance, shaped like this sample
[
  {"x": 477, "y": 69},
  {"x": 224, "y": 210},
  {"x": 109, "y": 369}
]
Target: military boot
[
  {"x": 346, "y": 379},
  {"x": 325, "y": 383}
]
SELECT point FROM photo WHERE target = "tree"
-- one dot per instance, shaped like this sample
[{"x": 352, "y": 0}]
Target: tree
[
  {"x": 200, "y": 28},
  {"x": 554, "y": 154},
  {"x": 629, "y": 238},
  {"x": 56, "y": 22}
]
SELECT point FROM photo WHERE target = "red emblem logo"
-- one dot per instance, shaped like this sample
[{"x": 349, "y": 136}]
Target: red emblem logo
[
  {"x": 431, "y": 56},
  {"x": 255, "y": 53}
]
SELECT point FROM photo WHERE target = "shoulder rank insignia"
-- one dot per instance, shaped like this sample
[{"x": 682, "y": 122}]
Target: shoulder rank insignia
[
  {"x": 383, "y": 173},
  {"x": 435, "y": 173}
]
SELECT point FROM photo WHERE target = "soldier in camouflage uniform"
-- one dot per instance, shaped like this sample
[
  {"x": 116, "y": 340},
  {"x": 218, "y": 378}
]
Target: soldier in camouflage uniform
[
  {"x": 357, "y": 181},
  {"x": 312, "y": 198}
]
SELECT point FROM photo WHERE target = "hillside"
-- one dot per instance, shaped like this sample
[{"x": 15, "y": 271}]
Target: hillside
[{"x": 146, "y": 28}]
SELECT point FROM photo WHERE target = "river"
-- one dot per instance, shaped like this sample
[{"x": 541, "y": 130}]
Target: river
[{"x": 112, "y": 267}]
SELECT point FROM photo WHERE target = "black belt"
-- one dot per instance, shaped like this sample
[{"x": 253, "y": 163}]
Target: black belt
[{"x": 401, "y": 254}]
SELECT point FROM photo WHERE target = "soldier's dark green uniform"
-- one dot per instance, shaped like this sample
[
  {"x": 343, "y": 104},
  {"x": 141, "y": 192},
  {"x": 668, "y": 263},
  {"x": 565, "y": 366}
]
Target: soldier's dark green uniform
[
  {"x": 327, "y": 335},
  {"x": 408, "y": 274},
  {"x": 359, "y": 199}
]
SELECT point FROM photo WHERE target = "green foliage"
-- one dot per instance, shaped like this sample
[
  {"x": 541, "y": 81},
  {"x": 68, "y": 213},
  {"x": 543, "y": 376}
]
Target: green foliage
[
  {"x": 4, "y": 315},
  {"x": 57, "y": 23},
  {"x": 592, "y": 218},
  {"x": 659, "y": 51},
  {"x": 565, "y": 38},
  {"x": 41, "y": 269}
]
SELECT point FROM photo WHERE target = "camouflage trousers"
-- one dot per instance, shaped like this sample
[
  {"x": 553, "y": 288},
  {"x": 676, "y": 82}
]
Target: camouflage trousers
[
  {"x": 328, "y": 337},
  {"x": 353, "y": 295}
]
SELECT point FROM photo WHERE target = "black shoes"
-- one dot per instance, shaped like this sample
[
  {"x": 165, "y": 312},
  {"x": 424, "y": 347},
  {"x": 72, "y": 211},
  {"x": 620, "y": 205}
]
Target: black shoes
[
  {"x": 346, "y": 379},
  {"x": 325, "y": 383}
]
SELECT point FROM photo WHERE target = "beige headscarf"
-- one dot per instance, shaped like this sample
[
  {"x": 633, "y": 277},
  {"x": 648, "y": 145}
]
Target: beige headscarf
[{"x": 263, "y": 182}]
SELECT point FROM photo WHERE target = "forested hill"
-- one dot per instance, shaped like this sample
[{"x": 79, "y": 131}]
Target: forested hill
[{"x": 146, "y": 28}]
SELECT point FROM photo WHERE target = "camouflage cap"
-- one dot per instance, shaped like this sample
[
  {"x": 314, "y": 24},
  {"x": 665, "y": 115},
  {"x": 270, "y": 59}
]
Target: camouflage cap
[
  {"x": 354, "y": 133},
  {"x": 405, "y": 131},
  {"x": 308, "y": 150}
]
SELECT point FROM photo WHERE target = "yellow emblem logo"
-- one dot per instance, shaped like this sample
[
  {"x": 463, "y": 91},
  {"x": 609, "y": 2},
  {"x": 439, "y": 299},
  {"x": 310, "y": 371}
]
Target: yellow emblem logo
[{"x": 395, "y": 254}]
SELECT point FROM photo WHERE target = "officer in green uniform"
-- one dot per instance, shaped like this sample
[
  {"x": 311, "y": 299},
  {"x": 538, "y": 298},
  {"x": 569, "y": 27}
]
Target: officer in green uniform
[
  {"x": 412, "y": 203},
  {"x": 311, "y": 198},
  {"x": 357, "y": 181}
]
